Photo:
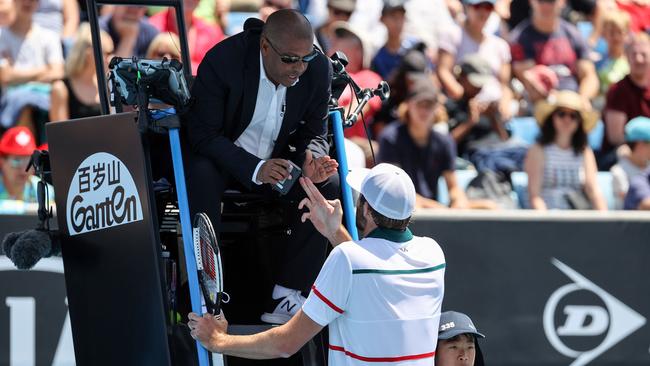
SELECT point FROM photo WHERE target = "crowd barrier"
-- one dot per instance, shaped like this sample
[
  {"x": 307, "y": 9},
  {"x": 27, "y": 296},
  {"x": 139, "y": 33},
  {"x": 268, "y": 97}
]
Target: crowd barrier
[{"x": 557, "y": 288}]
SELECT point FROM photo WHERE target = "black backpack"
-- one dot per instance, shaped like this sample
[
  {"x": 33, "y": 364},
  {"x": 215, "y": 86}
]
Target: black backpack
[{"x": 493, "y": 186}]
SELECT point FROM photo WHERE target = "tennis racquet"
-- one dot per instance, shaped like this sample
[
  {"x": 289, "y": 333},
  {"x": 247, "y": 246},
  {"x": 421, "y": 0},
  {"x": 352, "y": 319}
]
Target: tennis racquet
[{"x": 208, "y": 263}]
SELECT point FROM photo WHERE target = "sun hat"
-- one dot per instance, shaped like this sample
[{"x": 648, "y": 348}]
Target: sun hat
[{"x": 565, "y": 99}]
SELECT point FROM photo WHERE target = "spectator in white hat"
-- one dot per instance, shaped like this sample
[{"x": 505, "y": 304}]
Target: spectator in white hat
[{"x": 387, "y": 286}]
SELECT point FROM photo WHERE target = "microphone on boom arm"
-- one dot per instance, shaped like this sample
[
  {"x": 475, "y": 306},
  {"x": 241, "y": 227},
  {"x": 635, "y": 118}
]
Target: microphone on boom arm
[{"x": 25, "y": 248}]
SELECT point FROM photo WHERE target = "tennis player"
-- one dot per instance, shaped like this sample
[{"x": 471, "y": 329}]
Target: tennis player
[{"x": 381, "y": 296}]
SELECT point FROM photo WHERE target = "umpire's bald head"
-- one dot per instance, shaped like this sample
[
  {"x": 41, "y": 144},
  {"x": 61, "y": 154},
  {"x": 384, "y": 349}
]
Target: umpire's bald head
[{"x": 288, "y": 23}]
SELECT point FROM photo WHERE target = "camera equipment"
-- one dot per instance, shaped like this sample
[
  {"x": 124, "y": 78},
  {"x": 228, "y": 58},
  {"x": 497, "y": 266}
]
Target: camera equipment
[
  {"x": 161, "y": 80},
  {"x": 341, "y": 79}
]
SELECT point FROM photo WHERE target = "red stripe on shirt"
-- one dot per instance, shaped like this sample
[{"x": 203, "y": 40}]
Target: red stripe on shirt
[
  {"x": 325, "y": 300},
  {"x": 382, "y": 359}
]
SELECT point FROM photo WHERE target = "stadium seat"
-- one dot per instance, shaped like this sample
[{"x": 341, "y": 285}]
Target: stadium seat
[
  {"x": 605, "y": 184},
  {"x": 520, "y": 186},
  {"x": 463, "y": 177},
  {"x": 236, "y": 21},
  {"x": 595, "y": 136},
  {"x": 524, "y": 128}
]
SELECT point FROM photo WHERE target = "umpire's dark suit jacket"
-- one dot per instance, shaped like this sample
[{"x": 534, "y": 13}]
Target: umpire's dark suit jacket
[{"x": 224, "y": 95}]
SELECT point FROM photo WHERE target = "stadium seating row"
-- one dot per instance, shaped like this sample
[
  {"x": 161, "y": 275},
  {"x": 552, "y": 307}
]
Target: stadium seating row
[{"x": 520, "y": 187}]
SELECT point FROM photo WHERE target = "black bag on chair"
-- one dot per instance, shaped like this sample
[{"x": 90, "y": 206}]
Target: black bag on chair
[
  {"x": 493, "y": 186},
  {"x": 578, "y": 200}
]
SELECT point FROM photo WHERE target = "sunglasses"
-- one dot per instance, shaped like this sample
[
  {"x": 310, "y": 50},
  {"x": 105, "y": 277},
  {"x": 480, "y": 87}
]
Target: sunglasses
[
  {"x": 573, "y": 115},
  {"x": 483, "y": 6},
  {"x": 425, "y": 104},
  {"x": 293, "y": 59},
  {"x": 341, "y": 13},
  {"x": 18, "y": 163}
]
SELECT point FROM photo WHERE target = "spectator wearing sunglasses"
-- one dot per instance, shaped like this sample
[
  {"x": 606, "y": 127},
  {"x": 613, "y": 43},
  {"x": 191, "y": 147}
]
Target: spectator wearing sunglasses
[
  {"x": 338, "y": 11},
  {"x": 16, "y": 147},
  {"x": 561, "y": 167},
  {"x": 259, "y": 100},
  {"x": 548, "y": 53}
]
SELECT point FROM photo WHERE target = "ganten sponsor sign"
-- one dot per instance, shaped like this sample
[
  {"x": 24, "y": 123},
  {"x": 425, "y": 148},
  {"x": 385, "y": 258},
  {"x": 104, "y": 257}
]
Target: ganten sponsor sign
[{"x": 102, "y": 194}]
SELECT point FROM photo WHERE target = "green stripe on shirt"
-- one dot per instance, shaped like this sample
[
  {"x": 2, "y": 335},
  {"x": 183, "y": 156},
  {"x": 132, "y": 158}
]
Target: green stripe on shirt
[{"x": 398, "y": 271}]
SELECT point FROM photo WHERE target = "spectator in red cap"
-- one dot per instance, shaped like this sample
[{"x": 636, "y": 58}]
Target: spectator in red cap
[{"x": 16, "y": 147}]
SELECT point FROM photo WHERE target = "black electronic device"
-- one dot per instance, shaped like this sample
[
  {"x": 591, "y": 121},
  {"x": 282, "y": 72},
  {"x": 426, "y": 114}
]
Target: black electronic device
[{"x": 284, "y": 186}]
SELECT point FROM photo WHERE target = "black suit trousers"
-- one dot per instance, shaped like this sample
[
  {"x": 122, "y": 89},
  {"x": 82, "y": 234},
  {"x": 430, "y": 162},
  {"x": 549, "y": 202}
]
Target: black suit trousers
[{"x": 306, "y": 248}]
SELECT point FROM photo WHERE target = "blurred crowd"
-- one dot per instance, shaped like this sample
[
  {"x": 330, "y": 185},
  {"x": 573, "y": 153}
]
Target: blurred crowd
[{"x": 540, "y": 104}]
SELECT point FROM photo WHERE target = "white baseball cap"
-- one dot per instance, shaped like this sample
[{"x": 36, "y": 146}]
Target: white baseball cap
[{"x": 387, "y": 188}]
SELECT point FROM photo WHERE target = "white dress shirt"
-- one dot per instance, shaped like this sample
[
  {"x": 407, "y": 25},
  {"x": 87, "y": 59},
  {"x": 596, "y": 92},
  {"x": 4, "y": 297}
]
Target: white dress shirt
[{"x": 260, "y": 135}]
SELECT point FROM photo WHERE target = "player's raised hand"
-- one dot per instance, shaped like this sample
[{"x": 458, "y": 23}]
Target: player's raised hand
[{"x": 325, "y": 215}]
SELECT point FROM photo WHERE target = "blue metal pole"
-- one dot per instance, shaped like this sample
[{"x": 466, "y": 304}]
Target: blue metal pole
[
  {"x": 186, "y": 231},
  {"x": 341, "y": 157}
]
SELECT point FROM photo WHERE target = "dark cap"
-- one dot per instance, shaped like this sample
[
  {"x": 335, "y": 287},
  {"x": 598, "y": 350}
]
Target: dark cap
[
  {"x": 414, "y": 61},
  {"x": 477, "y": 70},
  {"x": 345, "y": 5},
  {"x": 453, "y": 323},
  {"x": 421, "y": 87},
  {"x": 390, "y": 5}
]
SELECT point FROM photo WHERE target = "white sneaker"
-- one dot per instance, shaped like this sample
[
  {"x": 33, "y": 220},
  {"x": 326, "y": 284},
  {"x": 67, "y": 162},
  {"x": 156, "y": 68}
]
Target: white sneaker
[{"x": 287, "y": 303}]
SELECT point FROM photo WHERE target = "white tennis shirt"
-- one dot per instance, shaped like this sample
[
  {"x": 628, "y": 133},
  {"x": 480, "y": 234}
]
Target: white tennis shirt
[{"x": 381, "y": 297}]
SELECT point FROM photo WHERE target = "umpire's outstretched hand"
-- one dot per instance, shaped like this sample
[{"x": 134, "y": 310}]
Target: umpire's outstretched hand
[{"x": 319, "y": 169}]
